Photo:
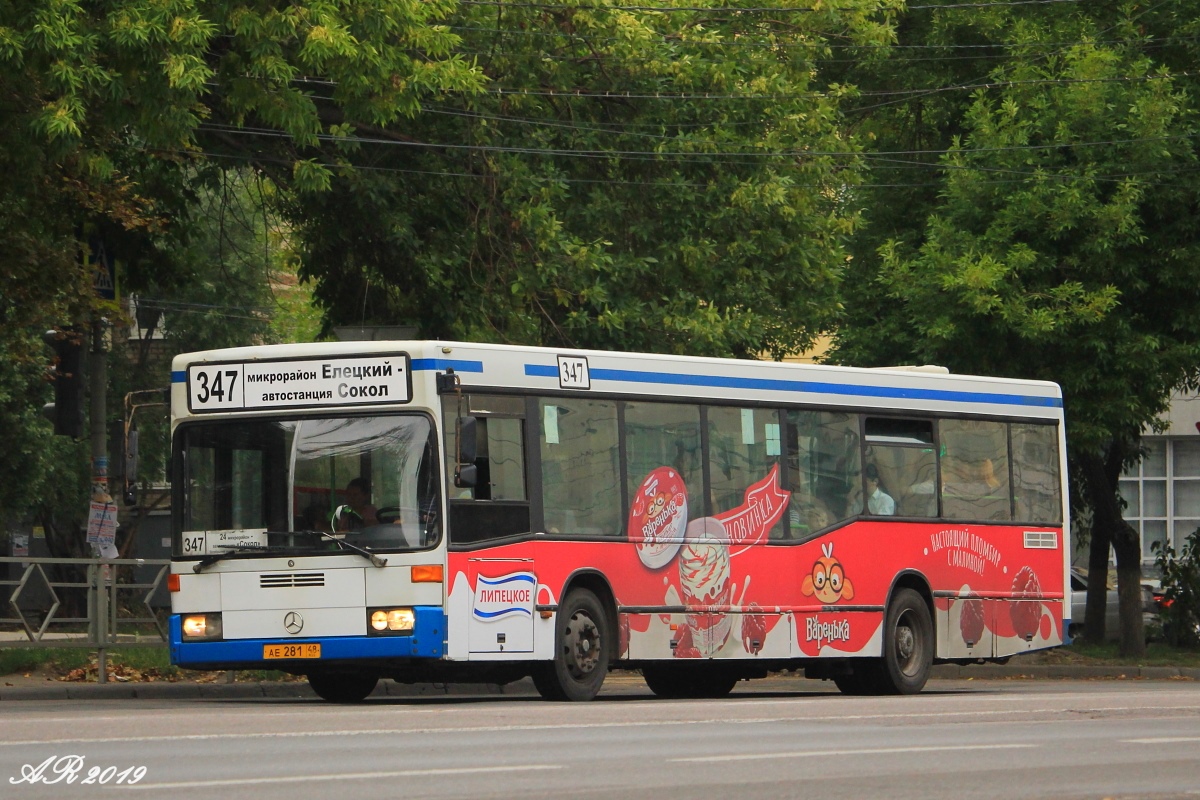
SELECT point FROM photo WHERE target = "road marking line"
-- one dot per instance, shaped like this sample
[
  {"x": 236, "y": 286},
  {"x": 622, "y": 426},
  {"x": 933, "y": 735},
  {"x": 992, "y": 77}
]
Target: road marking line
[
  {"x": 555, "y": 727},
  {"x": 1164, "y": 740},
  {"x": 859, "y": 752},
  {"x": 342, "y": 776}
]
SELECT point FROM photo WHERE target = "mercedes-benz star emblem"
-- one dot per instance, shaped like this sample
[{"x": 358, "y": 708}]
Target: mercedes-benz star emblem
[{"x": 293, "y": 623}]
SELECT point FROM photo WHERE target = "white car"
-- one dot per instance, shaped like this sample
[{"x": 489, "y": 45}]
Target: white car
[{"x": 1112, "y": 615}]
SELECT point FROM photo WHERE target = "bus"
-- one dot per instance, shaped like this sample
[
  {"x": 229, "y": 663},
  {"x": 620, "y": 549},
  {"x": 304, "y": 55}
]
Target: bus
[{"x": 431, "y": 511}]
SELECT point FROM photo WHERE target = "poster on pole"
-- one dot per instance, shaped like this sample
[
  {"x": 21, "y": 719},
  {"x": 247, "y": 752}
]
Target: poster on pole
[{"x": 102, "y": 523}]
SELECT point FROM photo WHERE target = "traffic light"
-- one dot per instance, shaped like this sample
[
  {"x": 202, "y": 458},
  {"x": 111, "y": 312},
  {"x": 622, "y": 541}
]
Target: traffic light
[{"x": 66, "y": 412}]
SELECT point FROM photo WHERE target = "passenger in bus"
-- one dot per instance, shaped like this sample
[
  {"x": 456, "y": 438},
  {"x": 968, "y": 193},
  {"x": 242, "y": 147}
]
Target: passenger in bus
[
  {"x": 971, "y": 489},
  {"x": 807, "y": 515},
  {"x": 879, "y": 502},
  {"x": 358, "y": 511}
]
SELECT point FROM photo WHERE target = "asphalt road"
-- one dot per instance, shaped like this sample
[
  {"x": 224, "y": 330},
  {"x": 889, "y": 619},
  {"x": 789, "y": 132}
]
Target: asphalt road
[{"x": 772, "y": 739}]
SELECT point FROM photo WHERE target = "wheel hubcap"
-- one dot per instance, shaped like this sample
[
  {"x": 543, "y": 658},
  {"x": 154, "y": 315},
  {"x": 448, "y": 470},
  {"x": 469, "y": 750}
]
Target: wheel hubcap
[
  {"x": 582, "y": 645},
  {"x": 908, "y": 648}
]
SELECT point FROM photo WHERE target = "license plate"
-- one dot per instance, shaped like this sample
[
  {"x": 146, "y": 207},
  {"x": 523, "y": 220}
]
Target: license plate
[{"x": 302, "y": 650}]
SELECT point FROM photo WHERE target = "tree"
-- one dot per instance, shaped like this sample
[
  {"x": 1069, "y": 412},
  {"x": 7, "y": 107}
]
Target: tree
[
  {"x": 113, "y": 117},
  {"x": 669, "y": 181},
  {"x": 1056, "y": 237}
]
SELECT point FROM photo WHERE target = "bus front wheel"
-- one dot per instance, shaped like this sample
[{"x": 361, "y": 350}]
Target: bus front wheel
[
  {"x": 343, "y": 687},
  {"x": 583, "y": 638},
  {"x": 907, "y": 645}
]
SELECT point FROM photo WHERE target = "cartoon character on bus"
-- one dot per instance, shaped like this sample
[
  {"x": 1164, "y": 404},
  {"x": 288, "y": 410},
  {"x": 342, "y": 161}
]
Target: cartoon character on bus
[{"x": 828, "y": 581}]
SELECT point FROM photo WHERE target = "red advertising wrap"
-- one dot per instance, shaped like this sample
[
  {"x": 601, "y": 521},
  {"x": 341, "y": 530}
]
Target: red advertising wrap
[
  {"x": 765, "y": 503},
  {"x": 658, "y": 517},
  {"x": 721, "y": 587}
]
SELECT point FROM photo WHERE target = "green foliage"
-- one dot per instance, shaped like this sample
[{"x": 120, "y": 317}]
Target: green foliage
[
  {"x": 1057, "y": 240},
  {"x": 1181, "y": 590},
  {"x": 114, "y": 115},
  {"x": 670, "y": 182},
  {"x": 1032, "y": 216}
]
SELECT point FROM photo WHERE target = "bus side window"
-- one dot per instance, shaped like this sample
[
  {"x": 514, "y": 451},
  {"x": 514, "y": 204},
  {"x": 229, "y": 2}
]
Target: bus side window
[
  {"x": 498, "y": 504},
  {"x": 901, "y": 453},
  {"x": 580, "y": 455},
  {"x": 664, "y": 435},
  {"x": 743, "y": 447},
  {"x": 824, "y": 475},
  {"x": 1037, "y": 483},
  {"x": 975, "y": 470}
]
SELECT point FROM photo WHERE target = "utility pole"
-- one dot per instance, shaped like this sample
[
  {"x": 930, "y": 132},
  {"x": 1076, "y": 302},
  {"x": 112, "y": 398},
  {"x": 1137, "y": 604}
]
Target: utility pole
[
  {"x": 102, "y": 501},
  {"x": 98, "y": 411}
]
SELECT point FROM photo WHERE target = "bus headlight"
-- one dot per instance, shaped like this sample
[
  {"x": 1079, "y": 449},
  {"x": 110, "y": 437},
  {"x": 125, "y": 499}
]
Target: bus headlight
[
  {"x": 202, "y": 626},
  {"x": 391, "y": 620}
]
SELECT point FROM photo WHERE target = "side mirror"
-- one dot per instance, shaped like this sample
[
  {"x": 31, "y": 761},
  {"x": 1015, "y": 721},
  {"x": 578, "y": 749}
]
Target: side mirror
[
  {"x": 467, "y": 440},
  {"x": 466, "y": 476}
]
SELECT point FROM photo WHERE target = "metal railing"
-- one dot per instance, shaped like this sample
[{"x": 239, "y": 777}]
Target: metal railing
[{"x": 119, "y": 614}]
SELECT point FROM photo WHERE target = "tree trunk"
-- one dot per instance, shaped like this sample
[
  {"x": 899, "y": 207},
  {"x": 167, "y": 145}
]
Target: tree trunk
[
  {"x": 1095, "y": 620},
  {"x": 1101, "y": 475}
]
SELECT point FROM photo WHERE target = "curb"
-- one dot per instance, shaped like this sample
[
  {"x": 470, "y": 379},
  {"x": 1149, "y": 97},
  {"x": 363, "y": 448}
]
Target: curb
[
  {"x": 1061, "y": 672},
  {"x": 389, "y": 688}
]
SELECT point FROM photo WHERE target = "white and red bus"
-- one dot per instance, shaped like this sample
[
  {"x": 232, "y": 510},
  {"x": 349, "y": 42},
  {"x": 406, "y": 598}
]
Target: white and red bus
[{"x": 438, "y": 511}]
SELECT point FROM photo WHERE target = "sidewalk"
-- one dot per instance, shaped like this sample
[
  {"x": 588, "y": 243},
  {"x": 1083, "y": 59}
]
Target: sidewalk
[{"x": 63, "y": 690}]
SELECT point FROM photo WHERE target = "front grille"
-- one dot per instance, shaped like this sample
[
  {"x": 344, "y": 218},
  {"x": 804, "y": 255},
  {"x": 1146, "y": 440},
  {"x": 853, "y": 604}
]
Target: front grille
[{"x": 291, "y": 580}]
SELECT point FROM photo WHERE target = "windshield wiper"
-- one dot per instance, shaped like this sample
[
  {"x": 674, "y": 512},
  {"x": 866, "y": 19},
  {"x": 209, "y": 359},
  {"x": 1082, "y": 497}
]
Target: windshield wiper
[
  {"x": 377, "y": 561},
  {"x": 233, "y": 549}
]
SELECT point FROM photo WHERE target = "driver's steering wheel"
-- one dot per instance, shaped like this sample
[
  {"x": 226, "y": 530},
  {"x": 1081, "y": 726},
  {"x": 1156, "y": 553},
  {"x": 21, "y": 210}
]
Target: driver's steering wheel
[{"x": 388, "y": 515}]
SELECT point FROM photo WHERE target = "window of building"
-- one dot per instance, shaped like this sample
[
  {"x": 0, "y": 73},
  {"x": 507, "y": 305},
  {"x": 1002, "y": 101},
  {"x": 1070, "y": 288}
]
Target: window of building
[
  {"x": 1144, "y": 489},
  {"x": 1162, "y": 492}
]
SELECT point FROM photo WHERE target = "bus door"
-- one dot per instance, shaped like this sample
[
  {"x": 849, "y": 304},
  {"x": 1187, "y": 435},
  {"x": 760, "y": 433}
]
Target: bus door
[{"x": 502, "y": 607}]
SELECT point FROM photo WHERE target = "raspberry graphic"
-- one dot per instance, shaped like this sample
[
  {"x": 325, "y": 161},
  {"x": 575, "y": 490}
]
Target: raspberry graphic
[
  {"x": 1027, "y": 616},
  {"x": 971, "y": 623}
]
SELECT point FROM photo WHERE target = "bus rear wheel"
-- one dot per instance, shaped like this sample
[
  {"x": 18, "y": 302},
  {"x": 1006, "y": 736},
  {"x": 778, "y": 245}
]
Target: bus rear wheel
[
  {"x": 583, "y": 639},
  {"x": 343, "y": 687},
  {"x": 907, "y": 645}
]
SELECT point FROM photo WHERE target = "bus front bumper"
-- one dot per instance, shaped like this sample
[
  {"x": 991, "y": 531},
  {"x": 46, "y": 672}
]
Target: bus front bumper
[{"x": 427, "y": 640}]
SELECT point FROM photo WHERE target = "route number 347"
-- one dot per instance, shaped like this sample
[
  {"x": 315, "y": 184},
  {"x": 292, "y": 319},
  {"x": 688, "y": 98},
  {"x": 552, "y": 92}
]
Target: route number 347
[
  {"x": 214, "y": 386},
  {"x": 573, "y": 373}
]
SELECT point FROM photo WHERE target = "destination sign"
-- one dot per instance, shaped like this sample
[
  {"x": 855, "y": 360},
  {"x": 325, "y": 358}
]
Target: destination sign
[{"x": 301, "y": 383}]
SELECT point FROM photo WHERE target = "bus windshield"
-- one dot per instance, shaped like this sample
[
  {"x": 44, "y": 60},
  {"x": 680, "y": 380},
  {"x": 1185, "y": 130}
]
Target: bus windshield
[{"x": 265, "y": 485}]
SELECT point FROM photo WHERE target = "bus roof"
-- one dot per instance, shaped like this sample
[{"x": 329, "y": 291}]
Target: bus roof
[{"x": 548, "y": 370}]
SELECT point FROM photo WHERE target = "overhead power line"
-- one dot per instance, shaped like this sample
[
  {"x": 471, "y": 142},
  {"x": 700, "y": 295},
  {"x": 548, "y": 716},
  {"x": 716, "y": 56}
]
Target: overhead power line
[
  {"x": 822, "y": 45},
  {"x": 1060, "y": 178},
  {"x": 684, "y": 155},
  {"x": 630, "y": 95}
]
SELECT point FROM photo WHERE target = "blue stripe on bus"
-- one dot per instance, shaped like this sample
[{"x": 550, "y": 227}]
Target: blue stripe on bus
[
  {"x": 420, "y": 364},
  {"x": 179, "y": 376},
  {"x": 428, "y": 641},
  {"x": 813, "y": 387}
]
